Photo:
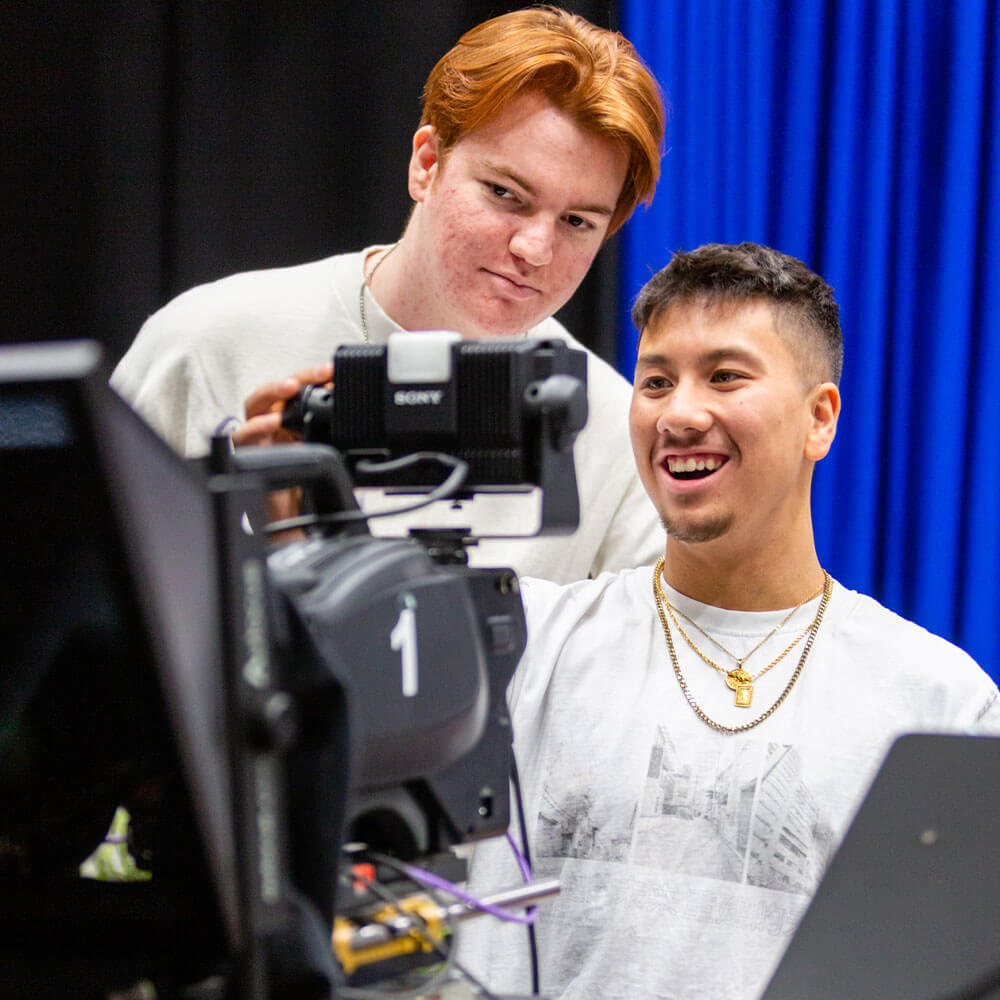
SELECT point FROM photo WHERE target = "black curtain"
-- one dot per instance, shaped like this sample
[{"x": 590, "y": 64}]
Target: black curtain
[{"x": 155, "y": 144}]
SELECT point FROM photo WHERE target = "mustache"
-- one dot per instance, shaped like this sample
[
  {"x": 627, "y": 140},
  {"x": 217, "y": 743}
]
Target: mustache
[{"x": 695, "y": 439}]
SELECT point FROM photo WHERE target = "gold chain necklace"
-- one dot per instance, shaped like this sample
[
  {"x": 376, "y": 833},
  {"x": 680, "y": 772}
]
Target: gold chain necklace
[
  {"x": 739, "y": 680},
  {"x": 812, "y": 629},
  {"x": 364, "y": 285}
]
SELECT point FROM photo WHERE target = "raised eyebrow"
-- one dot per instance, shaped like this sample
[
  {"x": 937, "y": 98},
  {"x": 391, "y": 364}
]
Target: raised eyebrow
[
  {"x": 531, "y": 190},
  {"x": 499, "y": 168}
]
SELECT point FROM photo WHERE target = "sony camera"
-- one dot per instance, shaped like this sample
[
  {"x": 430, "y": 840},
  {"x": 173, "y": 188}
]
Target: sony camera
[
  {"x": 507, "y": 409},
  {"x": 483, "y": 401}
]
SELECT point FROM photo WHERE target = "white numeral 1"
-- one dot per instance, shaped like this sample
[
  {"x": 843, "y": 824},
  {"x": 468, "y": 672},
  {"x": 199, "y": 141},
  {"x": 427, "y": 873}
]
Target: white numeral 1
[{"x": 403, "y": 638}]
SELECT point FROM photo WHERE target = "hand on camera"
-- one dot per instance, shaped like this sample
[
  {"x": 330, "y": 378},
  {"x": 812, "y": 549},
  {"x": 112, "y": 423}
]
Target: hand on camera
[{"x": 264, "y": 407}]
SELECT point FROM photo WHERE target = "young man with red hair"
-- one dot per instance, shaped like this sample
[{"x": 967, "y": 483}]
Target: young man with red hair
[{"x": 540, "y": 134}]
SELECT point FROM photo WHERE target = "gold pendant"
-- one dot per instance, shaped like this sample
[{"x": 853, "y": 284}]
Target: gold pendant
[{"x": 740, "y": 681}]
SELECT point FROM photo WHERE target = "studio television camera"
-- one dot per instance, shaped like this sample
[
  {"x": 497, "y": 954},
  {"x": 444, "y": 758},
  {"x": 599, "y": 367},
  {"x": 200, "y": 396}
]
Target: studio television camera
[{"x": 286, "y": 726}]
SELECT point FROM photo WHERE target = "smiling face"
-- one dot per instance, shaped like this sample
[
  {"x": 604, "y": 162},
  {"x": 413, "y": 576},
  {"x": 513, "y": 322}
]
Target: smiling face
[
  {"x": 725, "y": 429},
  {"x": 506, "y": 224}
]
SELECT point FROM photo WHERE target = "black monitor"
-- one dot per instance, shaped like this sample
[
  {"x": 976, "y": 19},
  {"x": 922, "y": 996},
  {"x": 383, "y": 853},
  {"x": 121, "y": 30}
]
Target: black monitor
[
  {"x": 110, "y": 688},
  {"x": 910, "y": 905}
]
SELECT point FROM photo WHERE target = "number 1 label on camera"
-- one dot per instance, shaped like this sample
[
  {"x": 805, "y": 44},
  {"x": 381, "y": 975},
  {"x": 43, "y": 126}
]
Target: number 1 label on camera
[{"x": 403, "y": 639}]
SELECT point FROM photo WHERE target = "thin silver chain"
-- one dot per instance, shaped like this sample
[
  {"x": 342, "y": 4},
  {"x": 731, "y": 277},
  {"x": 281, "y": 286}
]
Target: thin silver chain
[{"x": 361, "y": 294}]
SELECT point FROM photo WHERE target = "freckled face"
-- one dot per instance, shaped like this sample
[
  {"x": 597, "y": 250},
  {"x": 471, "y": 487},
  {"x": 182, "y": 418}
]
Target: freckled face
[
  {"x": 508, "y": 224},
  {"x": 723, "y": 429}
]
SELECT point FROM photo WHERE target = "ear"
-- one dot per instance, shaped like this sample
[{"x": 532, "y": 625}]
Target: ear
[
  {"x": 424, "y": 162},
  {"x": 824, "y": 408}
]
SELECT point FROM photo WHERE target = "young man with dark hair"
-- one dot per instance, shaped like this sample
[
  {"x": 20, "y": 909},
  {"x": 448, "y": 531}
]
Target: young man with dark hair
[
  {"x": 693, "y": 740},
  {"x": 540, "y": 134}
]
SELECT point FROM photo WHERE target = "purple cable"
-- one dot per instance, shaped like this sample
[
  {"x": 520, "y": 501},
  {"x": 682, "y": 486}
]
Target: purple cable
[
  {"x": 435, "y": 881},
  {"x": 522, "y": 861}
]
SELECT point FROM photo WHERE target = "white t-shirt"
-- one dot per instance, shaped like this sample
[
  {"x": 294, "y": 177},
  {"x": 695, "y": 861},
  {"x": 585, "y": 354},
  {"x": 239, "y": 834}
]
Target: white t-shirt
[
  {"x": 195, "y": 361},
  {"x": 686, "y": 856}
]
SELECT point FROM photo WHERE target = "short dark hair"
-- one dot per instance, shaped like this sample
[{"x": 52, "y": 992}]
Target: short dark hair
[{"x": 718, "y": 274}]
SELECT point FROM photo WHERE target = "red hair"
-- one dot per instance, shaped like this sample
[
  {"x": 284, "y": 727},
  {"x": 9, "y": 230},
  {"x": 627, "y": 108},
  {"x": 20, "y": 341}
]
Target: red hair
[{"x": 592, "y": 74}]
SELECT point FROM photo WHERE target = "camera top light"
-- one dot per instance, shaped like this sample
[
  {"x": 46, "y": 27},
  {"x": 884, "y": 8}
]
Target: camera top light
[{"x": 420, "y": 356}]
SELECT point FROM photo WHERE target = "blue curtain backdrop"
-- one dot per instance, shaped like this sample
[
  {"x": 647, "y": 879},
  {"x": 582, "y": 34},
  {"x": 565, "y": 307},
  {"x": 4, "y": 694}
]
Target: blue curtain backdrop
[{"x": 862, "y": 136}]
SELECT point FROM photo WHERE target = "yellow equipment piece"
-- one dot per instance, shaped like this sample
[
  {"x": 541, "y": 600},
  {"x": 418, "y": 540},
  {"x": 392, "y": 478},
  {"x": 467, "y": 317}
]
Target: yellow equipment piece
[{"x": 397, "y": 933}]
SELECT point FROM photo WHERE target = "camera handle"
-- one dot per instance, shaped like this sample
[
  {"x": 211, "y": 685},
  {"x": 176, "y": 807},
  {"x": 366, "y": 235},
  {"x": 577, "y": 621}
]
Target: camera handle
[
  {"x": 285, "y": 465},
  {"x": 559, "y": 403}
]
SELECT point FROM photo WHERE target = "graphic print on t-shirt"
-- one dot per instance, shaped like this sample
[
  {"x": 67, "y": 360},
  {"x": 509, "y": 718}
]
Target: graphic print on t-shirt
[
  {"x": 569, "y": 827},
  {"x": 737, "y": 810}
]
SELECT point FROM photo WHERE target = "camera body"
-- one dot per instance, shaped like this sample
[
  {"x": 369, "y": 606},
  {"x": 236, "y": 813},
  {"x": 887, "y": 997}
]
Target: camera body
[
  {"x": 423, "y": 645},
  {"x": 423, "y": 653}
]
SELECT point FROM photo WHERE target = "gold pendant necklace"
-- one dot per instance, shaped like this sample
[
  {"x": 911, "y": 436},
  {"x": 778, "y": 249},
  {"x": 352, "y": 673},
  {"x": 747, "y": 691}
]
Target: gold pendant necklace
[
  {"x": 661, "y": 602},
  {"x": 739, "y": 680}
]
